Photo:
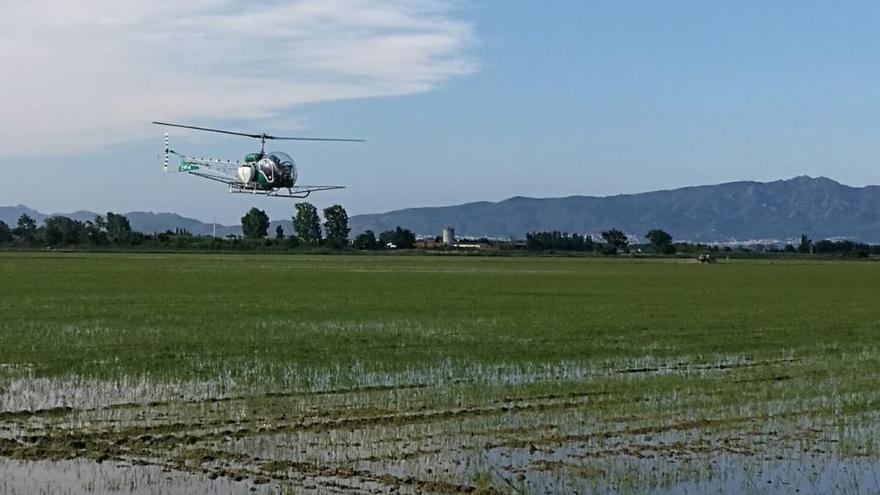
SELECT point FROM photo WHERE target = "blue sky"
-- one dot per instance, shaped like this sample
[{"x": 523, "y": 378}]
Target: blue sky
[{"x": 458, "y": 101}]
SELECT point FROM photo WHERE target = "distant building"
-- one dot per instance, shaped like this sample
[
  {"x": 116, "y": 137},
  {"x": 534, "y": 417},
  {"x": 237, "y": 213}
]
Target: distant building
[
  {"x": 427, "y": 243},
  {"x": 449, "y": 236},
  {"x": 471, "y": 245}
]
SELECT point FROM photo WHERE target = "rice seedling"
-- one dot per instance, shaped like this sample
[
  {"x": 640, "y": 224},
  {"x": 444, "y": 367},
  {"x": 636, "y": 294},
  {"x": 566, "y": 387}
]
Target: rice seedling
[{"x": 218, "y": 373}]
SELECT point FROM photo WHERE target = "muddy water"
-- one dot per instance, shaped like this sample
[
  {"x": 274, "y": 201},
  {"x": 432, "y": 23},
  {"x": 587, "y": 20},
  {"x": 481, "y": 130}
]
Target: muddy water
[
  {"x": 84, "y": 476},
  {"x": 448, "y": 431}
]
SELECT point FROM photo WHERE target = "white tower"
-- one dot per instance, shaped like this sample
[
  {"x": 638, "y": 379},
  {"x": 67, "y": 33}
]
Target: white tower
[{"x": 449, "y": 236}]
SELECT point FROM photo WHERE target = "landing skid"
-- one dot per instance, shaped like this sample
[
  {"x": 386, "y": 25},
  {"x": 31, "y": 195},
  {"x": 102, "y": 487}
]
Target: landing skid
[{"x": 299, "y": 192}]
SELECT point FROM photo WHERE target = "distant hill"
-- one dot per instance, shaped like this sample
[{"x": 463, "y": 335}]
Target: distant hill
[
  {"x": 10, "y": 214},
  {"x": 819, "y": 207},
  {"x": 735, "y": 211},
  {"x": 142, "y": 221}
]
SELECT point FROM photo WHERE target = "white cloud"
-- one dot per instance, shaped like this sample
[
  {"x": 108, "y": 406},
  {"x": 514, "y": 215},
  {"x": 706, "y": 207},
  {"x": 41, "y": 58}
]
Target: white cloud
[{"x": 81, "y": 74}]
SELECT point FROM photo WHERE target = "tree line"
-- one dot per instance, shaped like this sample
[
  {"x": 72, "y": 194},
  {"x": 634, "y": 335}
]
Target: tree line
[
  {"x": 60, "y": 230},
  {"x": 309, "y": 231},
  {"x": 335, "y": 233},
  {"x": 614, "y": 241},
  {"x": 827, "y": 246},
  {"x": 115, "y": 229}
]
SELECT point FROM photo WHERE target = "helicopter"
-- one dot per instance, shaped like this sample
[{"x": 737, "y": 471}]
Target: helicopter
[{"x": 272, "y": 173}]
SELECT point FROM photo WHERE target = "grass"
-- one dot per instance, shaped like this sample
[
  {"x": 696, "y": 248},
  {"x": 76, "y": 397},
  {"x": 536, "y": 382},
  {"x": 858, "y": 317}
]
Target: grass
[
  {"x": 98, "y": 314},
  {"x": 490, "y": 368}
]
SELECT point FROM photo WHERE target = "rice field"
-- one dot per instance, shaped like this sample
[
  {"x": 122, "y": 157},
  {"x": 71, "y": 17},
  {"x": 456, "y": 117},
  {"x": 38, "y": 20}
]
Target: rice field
[{"x": 163, "y": 373}]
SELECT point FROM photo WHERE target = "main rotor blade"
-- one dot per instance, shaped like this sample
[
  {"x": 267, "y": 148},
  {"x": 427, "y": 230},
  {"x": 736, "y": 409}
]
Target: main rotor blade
[
  {"x": 315, "y": 139},
  {"x": 255, "y": 136}
]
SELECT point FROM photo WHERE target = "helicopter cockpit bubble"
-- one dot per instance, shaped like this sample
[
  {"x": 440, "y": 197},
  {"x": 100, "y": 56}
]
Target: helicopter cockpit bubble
[
  {"x": 281, "y": 158},
  {"x": 285, "y": 163}
]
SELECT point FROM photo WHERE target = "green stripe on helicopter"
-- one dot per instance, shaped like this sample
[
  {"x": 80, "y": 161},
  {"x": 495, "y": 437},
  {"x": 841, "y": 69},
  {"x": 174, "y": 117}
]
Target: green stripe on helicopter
[
  {"x": 261, "y": 178},
  {"x": 186, "y": 166}
]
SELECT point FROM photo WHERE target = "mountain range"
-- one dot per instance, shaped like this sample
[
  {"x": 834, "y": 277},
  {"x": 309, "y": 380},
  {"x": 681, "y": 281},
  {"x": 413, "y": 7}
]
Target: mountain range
[{"x": 735, "y": 211}]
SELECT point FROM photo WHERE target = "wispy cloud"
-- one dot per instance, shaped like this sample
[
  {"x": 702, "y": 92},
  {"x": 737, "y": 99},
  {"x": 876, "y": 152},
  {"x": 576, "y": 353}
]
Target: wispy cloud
[{"x": 82, "y": 74}]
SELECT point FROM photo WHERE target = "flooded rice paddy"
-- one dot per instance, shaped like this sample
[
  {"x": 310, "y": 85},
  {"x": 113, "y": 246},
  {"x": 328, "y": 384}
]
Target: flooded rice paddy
[{"x": 536, "y": 376}]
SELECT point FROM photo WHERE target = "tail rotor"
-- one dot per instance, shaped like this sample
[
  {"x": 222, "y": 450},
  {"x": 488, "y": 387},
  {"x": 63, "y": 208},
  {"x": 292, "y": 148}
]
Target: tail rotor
[{"x": 167, "y": 152}]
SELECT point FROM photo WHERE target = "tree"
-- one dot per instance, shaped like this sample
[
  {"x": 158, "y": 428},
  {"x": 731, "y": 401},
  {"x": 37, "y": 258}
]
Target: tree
[
  {"x": 561, "y": 241},
  {"x": 26, "y": 229},
  {"x": 401, "y": 238},
  {"x": 306, "y": 224},
  {"x": 63, "y": 230},
  {"x": 100, "y": 223},
  {"x": 5, "y": 233},
  {"x": 51, "y": 234},
  {"x": 366, "y": 240},
  {"x": 806, "y": 245},
  {"x": 96, "y": 232},
  {"x": 661, "y": 241},
  {"x": 118, "y": 228},
  {"x": 72, "y": 231},
  {"x": 279, "y": 232},
  {"x": 336, "y": 226},
  {"x": 844, "y": 247},
  {"x": 255, "y": 224},
  {"x": 615, "y": 241}
]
